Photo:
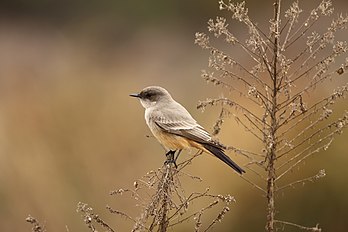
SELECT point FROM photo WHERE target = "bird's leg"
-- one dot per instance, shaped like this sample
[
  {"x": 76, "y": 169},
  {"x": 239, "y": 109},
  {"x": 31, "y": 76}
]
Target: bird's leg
[
  {"x": 170, "y": 154},
  {"x": 177, "y": 155},
  {"x": 170, "y": 158}
]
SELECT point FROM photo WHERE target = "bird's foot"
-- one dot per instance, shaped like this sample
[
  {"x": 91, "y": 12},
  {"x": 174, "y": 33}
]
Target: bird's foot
[{"x": 170, "y": 158}]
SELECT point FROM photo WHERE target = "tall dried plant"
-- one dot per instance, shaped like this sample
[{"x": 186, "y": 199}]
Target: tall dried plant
[
  {"x": 163, "y": 203},
  {"x": 288, "y": 63}
]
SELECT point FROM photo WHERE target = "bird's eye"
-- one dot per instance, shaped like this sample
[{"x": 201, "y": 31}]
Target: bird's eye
[{"x": 148, "y": 95}]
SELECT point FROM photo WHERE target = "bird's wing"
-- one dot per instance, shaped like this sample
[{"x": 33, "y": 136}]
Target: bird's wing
[{"x": 185, "y": 127}]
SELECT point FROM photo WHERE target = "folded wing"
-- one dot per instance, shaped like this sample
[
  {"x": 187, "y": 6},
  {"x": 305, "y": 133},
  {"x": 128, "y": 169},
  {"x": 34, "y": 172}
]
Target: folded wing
[
  {"x": 185, "y": 126},
  {"x": 187, "y": 129}
]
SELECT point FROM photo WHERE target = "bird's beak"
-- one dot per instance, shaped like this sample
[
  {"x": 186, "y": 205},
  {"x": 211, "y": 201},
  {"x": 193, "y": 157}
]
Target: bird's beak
[{"x": 134, "y": 95}]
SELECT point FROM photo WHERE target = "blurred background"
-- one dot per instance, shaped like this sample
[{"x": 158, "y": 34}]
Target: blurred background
[{"x": 69, "y": 132}]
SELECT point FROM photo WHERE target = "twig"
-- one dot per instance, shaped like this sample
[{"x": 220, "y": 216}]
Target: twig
[
  {"x": 313, "y": 229},
  {"x": 36, "y": 226}
]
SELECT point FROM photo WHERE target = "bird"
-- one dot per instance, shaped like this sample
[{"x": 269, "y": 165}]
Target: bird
[{"x": 174, "y": 127}]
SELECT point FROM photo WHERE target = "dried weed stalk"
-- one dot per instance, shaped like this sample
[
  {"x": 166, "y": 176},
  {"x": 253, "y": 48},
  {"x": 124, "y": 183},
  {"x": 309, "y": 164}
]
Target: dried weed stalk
[
  {"x": 36, "y": 226},
  {"x": 91, "y": 219},
  {"x": 286, "y": 64},
  {"x": 163, "y": 203}
]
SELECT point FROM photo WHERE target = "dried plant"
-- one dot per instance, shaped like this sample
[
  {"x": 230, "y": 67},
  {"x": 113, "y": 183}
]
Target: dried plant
[
  {"x": 287, "y": 63},
  {"x": 163, "y": 202},
  {"x": 165, "y": 205},
  {"x": 36, "y": 226},
  {"x": 91, "y": 219}
]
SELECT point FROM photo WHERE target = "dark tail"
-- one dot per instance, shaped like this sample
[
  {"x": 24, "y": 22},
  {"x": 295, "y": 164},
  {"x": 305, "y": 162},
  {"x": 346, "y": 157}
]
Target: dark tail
[{"x": 218, "y": 152}]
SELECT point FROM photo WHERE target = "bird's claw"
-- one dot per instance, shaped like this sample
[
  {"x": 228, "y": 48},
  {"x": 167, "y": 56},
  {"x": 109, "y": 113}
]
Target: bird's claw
[
  {"x": 167, "y": 162},
  {"x": 170, "y": 158}
]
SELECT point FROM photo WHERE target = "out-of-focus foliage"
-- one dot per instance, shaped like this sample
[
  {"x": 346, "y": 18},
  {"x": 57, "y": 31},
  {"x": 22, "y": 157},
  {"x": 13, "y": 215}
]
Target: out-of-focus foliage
[{"x": 69, "y": 132}]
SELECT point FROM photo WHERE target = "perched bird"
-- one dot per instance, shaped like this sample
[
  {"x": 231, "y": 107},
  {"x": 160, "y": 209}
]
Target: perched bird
[{"x": 173, "y": 126}]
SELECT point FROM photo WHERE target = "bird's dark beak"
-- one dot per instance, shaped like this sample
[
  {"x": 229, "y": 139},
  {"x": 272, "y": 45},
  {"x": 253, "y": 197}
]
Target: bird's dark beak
[{"x": 134, "y": 95}]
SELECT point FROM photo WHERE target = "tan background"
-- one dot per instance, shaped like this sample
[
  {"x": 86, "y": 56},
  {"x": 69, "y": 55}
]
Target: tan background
[{"x": 69, "y": 132}]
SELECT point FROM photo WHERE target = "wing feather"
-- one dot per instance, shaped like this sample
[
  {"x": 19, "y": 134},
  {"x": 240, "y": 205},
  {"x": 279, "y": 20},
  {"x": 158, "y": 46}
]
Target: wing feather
[{"x": 187, "y": 129}]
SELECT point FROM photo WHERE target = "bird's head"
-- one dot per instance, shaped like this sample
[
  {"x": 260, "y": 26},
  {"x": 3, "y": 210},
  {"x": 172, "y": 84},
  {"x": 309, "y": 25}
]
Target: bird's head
[{"x": 153, "y": 95}]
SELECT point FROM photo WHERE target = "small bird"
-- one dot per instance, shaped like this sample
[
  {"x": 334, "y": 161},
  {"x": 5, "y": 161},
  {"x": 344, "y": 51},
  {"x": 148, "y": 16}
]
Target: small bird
[{"x": 174, "y": 127}]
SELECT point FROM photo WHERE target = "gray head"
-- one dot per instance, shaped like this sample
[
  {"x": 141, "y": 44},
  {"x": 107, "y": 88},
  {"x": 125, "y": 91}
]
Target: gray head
[{"x": 153, "y": 95}]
